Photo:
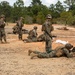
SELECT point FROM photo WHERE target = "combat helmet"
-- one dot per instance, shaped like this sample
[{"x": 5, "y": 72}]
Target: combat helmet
[
  {"x": 48, "y": 16},
  {"x": 35, "y": 27},
  {"x": 68, "y": 46}
]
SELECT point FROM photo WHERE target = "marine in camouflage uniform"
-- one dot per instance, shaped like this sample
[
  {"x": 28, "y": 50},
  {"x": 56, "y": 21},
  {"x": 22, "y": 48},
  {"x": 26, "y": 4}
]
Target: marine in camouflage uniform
[
  {"x": 57, "y": 52},
  {"x": 47, "y": 28},
  {"x": 2, "y": 29},
  {"x": 32, "y": 37},
  {"x": 20, "y": 25}
]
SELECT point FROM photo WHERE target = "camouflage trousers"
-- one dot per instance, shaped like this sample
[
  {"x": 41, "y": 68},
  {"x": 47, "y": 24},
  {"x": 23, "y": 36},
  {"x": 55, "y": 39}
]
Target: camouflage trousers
[
  {"x": 48, "y": 46},
  {"x": 45, "y": 54},
  {"x": 2, "y": 34},
  {"x": 41, "y": 37},
  {"x": 31, "y": 39},
  {"x": 48, "y": 43},
  {"x": 20, "y": 34}
]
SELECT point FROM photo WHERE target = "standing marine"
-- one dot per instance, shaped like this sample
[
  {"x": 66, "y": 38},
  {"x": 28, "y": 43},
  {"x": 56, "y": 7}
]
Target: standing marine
[
  {"x": 2, "y": 29},
  {"x": 47, "y": 28},
  {"x": 20, "y": 25}
]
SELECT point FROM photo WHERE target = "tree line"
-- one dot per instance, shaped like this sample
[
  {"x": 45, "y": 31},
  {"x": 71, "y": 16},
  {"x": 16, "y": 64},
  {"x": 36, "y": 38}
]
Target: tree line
[{"x": 36, "y": 12}]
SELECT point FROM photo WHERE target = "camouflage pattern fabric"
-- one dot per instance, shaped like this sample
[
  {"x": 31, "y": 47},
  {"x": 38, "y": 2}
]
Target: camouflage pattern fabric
[
  {"x": 32, "y": 37},
  {"x": 20, "y": 25},
  {"x": 2, "y": 30},
  {"x": 47, "y": 28},
  {"x": 41, "y": 54},
  {"x": 41, "y": 38},
  {"x": 57, "y": 52}
]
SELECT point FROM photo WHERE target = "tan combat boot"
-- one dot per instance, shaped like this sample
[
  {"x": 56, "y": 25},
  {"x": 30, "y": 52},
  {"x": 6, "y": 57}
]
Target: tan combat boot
[{"x": 34, "y": 55}]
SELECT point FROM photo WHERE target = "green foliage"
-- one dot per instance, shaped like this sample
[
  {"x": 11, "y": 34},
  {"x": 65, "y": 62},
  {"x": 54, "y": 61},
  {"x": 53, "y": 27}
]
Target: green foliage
[
  {"x": 18, "y": 9},
  {"x": 40, "y": 18},
  {"x": 35, "y": 9},
  {"x": 35, "y": 2},
  {"x": 69, "y": 2},
  {"x": 45, "y": 10},
  {"x": 28, "y": 19},
  {"x": 5, "y": 9},
  {"x": 56, "y": 9},
  {"x": 19, "y": 3},
  {"x": 36, "y": 12},
  {"x": 59, "y": 7},
  {"x": 66, "y": 17}
]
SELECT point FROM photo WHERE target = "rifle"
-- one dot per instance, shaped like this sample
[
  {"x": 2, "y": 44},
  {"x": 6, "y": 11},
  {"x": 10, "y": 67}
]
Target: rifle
[{"x": 48, "y": 34}]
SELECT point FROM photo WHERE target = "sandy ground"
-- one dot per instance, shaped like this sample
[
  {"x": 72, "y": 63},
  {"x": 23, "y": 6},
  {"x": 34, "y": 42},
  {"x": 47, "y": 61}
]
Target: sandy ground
[{"x": 14, "y": 59}]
